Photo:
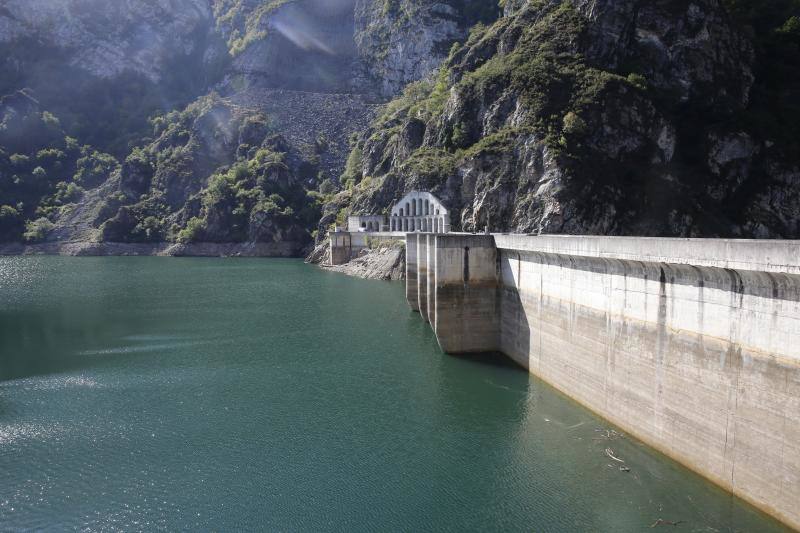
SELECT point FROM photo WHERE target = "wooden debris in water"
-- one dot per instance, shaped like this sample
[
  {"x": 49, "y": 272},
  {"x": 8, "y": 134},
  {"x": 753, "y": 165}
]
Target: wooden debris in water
[
  {"x": 610, "y": 454},
  {"x": 661, "y": 522},
  {"x": 607, "y": 434}
]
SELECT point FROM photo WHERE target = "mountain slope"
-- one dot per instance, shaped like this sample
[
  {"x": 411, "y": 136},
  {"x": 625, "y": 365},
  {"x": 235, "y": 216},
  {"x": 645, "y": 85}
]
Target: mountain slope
[
  {"x": 262, "y": 120},
  {"x": 104, "y": 67},
  {"x": 608, "y": 117},
  {"x": 273, "y": 84}
]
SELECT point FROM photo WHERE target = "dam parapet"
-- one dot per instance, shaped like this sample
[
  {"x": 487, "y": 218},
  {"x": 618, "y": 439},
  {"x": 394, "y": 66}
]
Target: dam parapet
[{"x": 691, "y": 345}]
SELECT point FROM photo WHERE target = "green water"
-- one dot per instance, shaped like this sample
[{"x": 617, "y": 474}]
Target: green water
[{"x": 212, "y": 394}]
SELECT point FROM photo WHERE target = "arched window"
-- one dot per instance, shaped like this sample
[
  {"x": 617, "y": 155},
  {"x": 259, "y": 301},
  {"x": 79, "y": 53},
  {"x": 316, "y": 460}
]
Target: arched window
[
  {"x": 401, "y": 211},
  {"x": 408, "y": 210},
  {"x": 405, "y": 224},
  {"x": 427, "y": 207}
]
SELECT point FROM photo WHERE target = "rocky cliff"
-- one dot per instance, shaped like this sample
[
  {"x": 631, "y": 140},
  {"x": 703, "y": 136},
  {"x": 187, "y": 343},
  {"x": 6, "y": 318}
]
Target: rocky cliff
[
  {"x": 106, "y": 39},
  {"x": 590, "y": 116},
  {"x": 251, "y": 162},
  {"x": 401, "y": 41},
  {"x": 84, "y": 59}
]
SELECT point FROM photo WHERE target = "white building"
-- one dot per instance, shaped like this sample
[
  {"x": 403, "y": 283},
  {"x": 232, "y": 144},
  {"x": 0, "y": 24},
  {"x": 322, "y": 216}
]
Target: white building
[
  {"x": 366, "y": 223},
  {"x": 420, "y": 211},
  {"x": 417, "y": 211}
]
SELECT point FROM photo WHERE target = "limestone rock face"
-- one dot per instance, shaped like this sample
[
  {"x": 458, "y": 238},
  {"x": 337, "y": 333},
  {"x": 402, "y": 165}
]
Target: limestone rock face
[
  {"x": 687, "y": 48},
  {"x": 590, "y": 116},
  {"x": 304, "y": 45},
  {"x": 400, "y": 41},
  {"x": 512, "y": 6},
  {"x": 106, "y": 39},
  {"x": 406, "y": 43}
]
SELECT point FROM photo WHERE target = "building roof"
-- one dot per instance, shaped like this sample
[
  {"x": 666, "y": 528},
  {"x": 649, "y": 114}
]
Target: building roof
[{"x": 420, "y": 195}]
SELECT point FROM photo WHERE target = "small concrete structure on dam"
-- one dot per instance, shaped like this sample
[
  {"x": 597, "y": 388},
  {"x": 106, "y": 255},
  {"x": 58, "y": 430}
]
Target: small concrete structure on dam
[
  {"x": 691, "y": 345},
  {"x": 416, "y": 211}
]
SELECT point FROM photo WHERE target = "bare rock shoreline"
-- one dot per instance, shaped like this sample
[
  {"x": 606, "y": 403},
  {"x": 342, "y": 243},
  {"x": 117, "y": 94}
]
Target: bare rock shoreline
[
  {"x": 201, "y": 249},
  {"x": 387, "y": 263}
]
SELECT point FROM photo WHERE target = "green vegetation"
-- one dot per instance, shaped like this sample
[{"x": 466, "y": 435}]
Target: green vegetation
[
  {"x": 498, "y": 143},
  {"x": 637, "y": 80},
  {"x": 422, "y": 99},
  {"x": 37, "y": 230},
  {"x": 430, "y": 165},
  {"x": 191, "y": 185},
  {"x": 94, "y": 167},
  {"x": 352, "y": 170},
  {"x": 193, "y": 230},
  {"x": 46, "y": 170}
]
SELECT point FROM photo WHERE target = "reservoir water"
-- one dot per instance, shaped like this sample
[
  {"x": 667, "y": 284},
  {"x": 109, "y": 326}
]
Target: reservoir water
[{"x": 231, "y": 394}]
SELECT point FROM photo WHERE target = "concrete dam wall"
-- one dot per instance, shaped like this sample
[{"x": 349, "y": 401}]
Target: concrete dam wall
[{"x": 691, "y": 345}]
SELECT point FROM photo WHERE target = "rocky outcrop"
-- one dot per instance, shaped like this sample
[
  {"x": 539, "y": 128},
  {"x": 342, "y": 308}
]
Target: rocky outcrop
[
  {"x": 302, "y": 45},
  {"x": 400, "y": 41},
  {"x": 319, "y": 125},
  {"x": 387, "y": 262},
  {"x": 104, "y": 67},
  {"x": 589, "y": 117},
  {"x": 688, "y": 50},
  {"x": 106, "y": 39}
]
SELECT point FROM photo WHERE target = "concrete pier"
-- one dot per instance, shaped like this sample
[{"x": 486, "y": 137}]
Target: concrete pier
[
  {"x": 422, "y": 274},
  {"x": 464, "y": 297},
  {"x": 412, "y": 263},
  {"x": 691, "y": 345},
  {"x": 431, "y": 289}
]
